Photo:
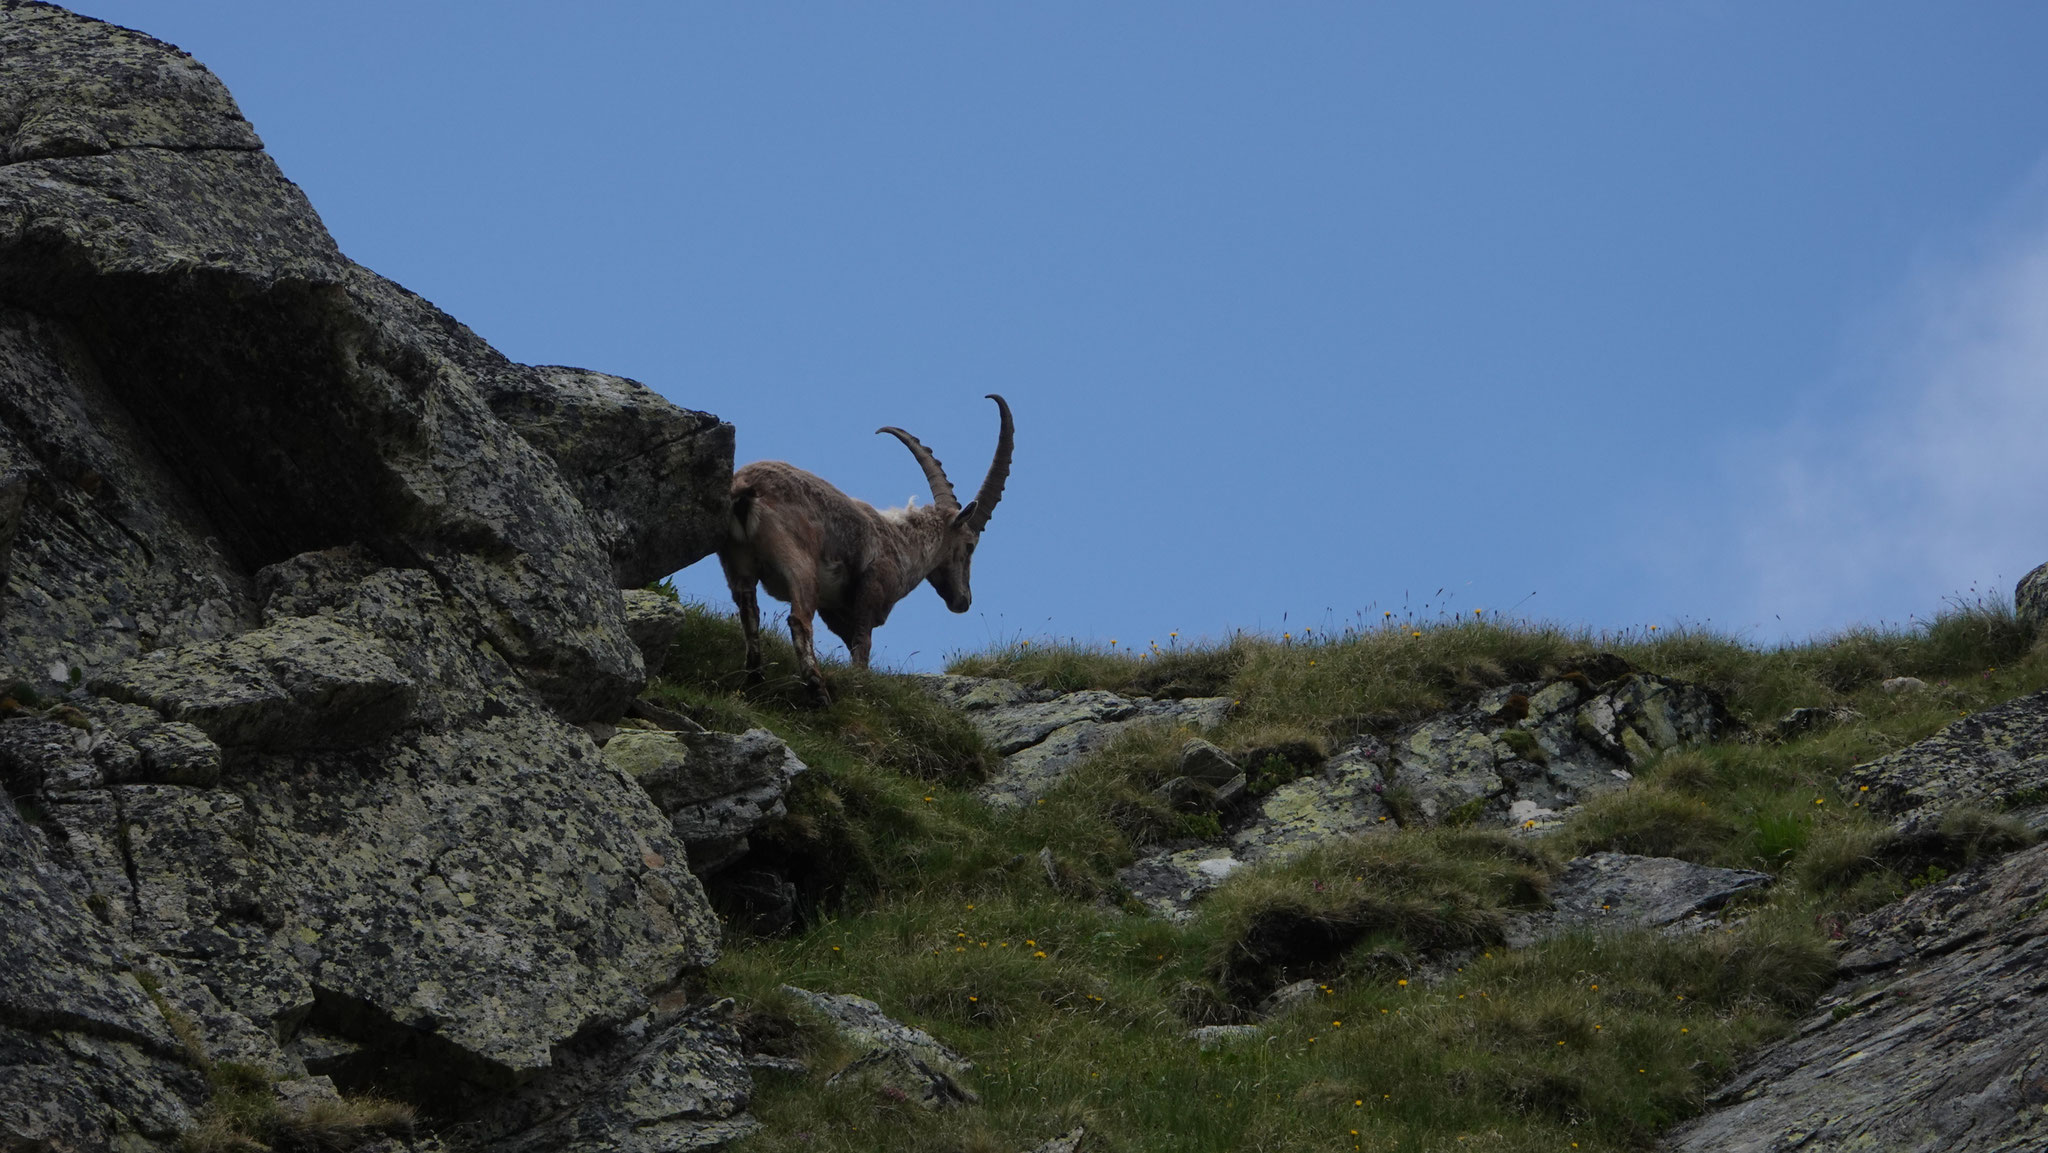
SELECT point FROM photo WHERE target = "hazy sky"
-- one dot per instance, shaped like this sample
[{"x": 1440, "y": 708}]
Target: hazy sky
[{"x": 1726, "y": 313}]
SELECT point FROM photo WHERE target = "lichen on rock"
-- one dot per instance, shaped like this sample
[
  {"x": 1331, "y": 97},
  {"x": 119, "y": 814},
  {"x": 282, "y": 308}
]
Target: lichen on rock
[{"x": 324, "y": 623}]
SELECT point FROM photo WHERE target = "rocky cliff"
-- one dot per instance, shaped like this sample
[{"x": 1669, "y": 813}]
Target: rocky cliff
[{"x": 309, "y": 603}]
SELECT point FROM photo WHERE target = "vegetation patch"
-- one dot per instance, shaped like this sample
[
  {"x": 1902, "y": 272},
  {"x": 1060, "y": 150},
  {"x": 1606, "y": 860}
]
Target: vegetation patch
[
  {"x": 1423, "y": 1030},
  {"x": 243, "y": 1116}
]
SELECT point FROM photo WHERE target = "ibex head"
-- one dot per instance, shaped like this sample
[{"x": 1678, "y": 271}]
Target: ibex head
[{"x": 951, "y": 568}]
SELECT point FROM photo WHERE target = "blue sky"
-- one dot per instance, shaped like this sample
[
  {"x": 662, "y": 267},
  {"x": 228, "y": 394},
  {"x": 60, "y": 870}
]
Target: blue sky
[{"x": 1609, "y": 314}]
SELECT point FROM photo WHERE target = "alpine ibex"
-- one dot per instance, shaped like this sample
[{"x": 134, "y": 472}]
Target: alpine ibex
[{"x": 822, "y": 551}]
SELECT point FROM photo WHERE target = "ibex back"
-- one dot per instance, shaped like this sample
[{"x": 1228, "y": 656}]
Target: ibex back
[{"x": 824, "y": 552}]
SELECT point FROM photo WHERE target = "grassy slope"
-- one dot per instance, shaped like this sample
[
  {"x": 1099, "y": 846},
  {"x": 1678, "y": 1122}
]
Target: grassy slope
[{"x": 1074, "y": 1010}]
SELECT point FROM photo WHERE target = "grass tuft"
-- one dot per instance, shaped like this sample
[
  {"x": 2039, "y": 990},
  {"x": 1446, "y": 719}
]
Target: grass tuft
[{"x": 1006, "y": 934}]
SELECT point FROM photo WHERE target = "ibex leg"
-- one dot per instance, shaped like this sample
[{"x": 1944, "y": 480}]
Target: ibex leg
[{"x": 740, "y": 579}]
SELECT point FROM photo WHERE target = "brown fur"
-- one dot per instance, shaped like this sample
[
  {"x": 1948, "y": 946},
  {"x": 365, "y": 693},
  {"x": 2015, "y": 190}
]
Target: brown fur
[{"x": 824, "y": 552}]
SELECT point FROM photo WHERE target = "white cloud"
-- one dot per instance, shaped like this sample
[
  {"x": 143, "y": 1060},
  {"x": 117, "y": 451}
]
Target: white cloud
[{"x": 1926, "y": 474}]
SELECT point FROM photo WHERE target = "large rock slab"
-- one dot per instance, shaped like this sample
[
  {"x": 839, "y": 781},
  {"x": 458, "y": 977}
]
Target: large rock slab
[
  {"x": 88, "y": 87},
  {"x": 1933, "y": 1046},
  {"x": 654, "y": 477},
  {"x": 302, "y": 402},
  {"x": 85, "y": 1055},
  {"x": 323, "y": 627},
  {"x": 1624, "y": 891},
  {"x": 488, "y": 881},
  {"x": 1041, "y": 735},
  {"x": 109, "y": 554},
  {"x": 300, "y": 683},
  {"x": 1994, "y": 759},
  {"x": 1344, "y": 797}
]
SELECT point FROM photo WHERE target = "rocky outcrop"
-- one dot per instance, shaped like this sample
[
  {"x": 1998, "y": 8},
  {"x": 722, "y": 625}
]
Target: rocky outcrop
[
  {"x": 160, "y": 273},
  {"x": 680, "y": 1086},
  {"x": 653, "y": 477},
  {"x": 1933, "y": 1045},
  {"x": 84, "y": 1052},
  {"x": 1521, "y": 757},
  {"x": 1041, "y": 734},
  {"x": 1623, "y": 891},
  {"x": 311, "y": 593},
  {"x": 1526, "y": 753},
  {"x": 914, "y": 1064},
  {"x": 715, "y": 787},
  {"x": 653, "y": 619},
  {"x": 2030, "y": 598},
  {"x": 1996, "y": 759}
]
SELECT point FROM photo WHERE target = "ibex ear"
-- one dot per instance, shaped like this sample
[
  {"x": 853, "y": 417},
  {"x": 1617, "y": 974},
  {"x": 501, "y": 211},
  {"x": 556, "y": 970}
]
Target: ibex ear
[{"x": 965, "y": 514}]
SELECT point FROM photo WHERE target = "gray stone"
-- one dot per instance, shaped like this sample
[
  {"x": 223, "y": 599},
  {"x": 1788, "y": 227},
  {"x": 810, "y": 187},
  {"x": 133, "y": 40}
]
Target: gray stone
[
  {"x": 979, "y": 694},
  {"x": 658, "y": 1087},
  {"x": 909, "y": 1060},
  {"x": 486, "y": 884},
  {"x": 1041, "y": 736},
  {"x": 1171, "y": 881},
  {"x": 2030, "y": 598},
  {"x": 1209, "y": 1037},
  {"x": 1521, "y": 756},
  {"x": 1068, "y": 1142},
  {"x": 223, "y": 1034},
  {"x": 60, "y": 967},
  {"x": 109, "y": 555},
  {"x": 90, "y": 86},
  {"x": 80, "y": 1091},
  {"x": 1288, "y": 996},
  {"x": 39, "y": 757},
  {"x": 1897, "y": 685},
  {"x": 1343, "y": 798},
  {"x": 300, "y": 401},
  {"x": 342, "y": 618},
  {"x": 174, "y": 753},
  {"x": 716, "y": 787},
  {"x": 1204, "y": 762},
  {"x": 1231, "y": 793},
  {"x": 652, "y": 619},
  {"x": 103, "y": 743},
  {"x": 1800, "y": 721},
  {"x": 87, "y": 1054},
  {"x": 1933, "y": 1045},
  {"x": 1560, "y": 745},
  {"x": 1994, "y": 759},
  {"x": 1186, "y": 795},
  {"x": 652, "y": 476},
  {"x": 298, "y": 683},
  {"x": 297, "y": 1095},
  {"x": 1622, "y": 891}
]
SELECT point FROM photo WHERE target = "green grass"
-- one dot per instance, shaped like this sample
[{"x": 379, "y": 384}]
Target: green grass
[{"x": 1425, "y": 1033}]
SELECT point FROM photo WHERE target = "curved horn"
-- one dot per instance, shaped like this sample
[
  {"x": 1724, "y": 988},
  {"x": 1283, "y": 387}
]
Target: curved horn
[
  {"x": 998, "y": 472},
  {"x": 942, "y": 489}
]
